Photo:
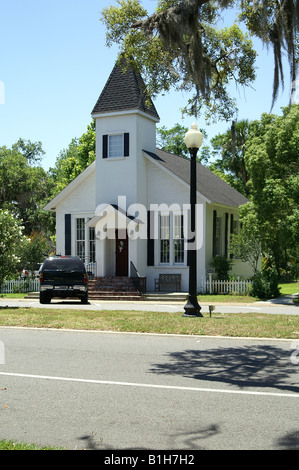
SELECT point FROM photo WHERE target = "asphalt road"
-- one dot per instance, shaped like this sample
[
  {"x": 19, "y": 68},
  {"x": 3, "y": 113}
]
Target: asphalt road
[{"x": 108, "y": 391}]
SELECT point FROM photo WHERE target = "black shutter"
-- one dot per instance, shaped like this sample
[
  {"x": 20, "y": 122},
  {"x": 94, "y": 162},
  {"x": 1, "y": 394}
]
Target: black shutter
[
  {"x": 126, "y": 144},
  {"x": 214, "y": 232},
  {"x": 67, "y": 234},
  {"x": 226, "y": 235},
  {"x": 231, "y": 228},
  {"x": 150, "y": 238},
  {"x": 105, "y": 146}
]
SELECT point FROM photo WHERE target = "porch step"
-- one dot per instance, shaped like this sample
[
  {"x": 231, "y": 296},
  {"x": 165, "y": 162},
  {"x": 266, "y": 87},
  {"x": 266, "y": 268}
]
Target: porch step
[
  {"x": 32, "y": 295},
  {"x": 113, "y": 288},
  {"x": 166, "y": 296}
]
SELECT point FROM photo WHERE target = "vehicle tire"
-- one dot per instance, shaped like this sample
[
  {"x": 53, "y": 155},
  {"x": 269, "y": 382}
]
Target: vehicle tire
[
  {"x": 84, "y": 300},
  {"x": 44, "y": 298}
]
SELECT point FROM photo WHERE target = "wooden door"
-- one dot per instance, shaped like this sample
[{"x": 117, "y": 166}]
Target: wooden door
[{"x": 121, "y": 254}]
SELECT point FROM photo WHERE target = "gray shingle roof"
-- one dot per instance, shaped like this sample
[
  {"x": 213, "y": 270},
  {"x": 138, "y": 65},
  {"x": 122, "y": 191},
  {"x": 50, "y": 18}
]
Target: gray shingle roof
[
  {"x": 208, "y": 184},
  {"x": 124, "y": 90}
]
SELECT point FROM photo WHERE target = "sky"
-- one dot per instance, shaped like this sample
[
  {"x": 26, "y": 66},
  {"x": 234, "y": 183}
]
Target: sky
[{"x": 54, "y": 63}]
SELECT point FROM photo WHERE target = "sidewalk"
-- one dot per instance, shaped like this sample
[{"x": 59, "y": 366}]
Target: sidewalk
[
  {"x": 281, "y": 306},
  {"x": 291, "y": 299}
]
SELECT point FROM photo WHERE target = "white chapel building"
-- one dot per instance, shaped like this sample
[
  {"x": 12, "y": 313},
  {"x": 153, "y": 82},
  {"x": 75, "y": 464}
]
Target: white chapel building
[{"x": 128, "y": 210}]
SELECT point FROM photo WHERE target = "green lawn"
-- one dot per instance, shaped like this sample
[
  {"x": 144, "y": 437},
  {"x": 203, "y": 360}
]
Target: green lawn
[
  {"x": 13, "y": 296},
  {"x": 226, "y": 298},
  {"x": 12, "y": 445},
  {"x": 289, "y": 288},
  {"x": 237, "y": 324}
]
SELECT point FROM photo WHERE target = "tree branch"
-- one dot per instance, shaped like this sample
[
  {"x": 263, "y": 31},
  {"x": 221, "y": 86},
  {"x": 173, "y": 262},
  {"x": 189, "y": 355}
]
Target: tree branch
[{"x": 156, "y": 19}]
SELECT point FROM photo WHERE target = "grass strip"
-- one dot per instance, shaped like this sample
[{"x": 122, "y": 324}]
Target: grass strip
[
  {"x": 12, "y": 445},
  {"x": 229, "y": 324}
]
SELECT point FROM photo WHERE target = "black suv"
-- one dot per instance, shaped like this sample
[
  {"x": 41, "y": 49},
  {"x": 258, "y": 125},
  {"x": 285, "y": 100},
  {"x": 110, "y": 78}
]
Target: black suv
[{"x": 63, "y": 277}]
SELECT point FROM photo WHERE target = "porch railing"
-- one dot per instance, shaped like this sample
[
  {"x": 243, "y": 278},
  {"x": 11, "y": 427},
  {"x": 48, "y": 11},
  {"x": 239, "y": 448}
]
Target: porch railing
[
  {"x": 91, "y": 269},
  {"x": 139, "y": 281}
]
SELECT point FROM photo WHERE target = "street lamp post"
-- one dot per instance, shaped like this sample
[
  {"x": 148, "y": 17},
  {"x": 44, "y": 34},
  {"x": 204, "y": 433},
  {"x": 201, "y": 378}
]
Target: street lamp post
[{"x": 193, "y": 140}]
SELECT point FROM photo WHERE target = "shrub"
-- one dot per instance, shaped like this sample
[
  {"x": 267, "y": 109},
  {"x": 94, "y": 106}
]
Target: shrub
[
  {"x": 265, "y": 285},
  {"x": 222, "y": 266}
]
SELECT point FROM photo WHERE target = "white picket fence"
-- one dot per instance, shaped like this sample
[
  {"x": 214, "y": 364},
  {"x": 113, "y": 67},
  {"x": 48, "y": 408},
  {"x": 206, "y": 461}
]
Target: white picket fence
[
  {"x": 241, "y": 287},
  {"x": 20, "y": 285},
  {"x": 210, "y": 286}
]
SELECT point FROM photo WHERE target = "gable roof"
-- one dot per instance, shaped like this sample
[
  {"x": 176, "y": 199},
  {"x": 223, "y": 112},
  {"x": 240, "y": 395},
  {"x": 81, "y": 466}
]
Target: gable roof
[
  {"x": 213, "y": 188},
  {"x": 124, "y": 90},
  {"x": 209, "y": 185},
  {"x": 80, "y": 179}
]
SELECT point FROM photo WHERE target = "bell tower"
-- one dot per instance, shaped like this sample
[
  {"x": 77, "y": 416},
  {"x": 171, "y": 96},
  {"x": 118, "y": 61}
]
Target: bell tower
[{"x": 125, "y": 126}]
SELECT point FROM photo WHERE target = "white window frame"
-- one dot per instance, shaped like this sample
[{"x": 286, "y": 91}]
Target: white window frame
[
  {"x": 164, "y": 238},
  {"x": 118, "y": 152},
  {"x": 92, "y": 244},
  {"x": 80, "y": 238},
  {"x": 178, "y": 238},
  {"x": 169, "y": 233}
]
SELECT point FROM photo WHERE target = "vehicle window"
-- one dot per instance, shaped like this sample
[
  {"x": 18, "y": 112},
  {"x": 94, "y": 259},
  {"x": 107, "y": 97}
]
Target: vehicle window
[{"x": 63, "y": 264}]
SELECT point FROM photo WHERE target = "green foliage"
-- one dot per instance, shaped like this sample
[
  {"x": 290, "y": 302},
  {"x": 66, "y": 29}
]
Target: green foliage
[
  {"x": 265, "y": 285},
  {"x": 13, "y": 445},
  {"x": 230, "y": 149},
  {"x": 181, "y": 46},
  {"x": 12, "y": 242},
  {"x": 32, "y": 151},
  {"x": 260, "y": 159},
  {"x": 275, "y": 22},
  {"x": 246, "y": 244},
  {"x": 73, "y": 160},
  {"x": 35, "y": 250},
  {"x": 272, "y": 162},
  {"x": 172, "y": 140},
  {"x": 222, "y": 266},
  {"x": 23, "y": 187}
]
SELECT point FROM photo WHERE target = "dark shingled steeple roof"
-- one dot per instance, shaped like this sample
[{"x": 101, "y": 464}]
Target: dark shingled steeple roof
[{"x": 124, "y": 90}]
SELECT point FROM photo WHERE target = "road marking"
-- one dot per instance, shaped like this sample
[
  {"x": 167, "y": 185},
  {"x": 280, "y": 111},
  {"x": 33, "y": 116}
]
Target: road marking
[
  {"x": 252, "y": 308},
  {"x": 165, "y": 387}
]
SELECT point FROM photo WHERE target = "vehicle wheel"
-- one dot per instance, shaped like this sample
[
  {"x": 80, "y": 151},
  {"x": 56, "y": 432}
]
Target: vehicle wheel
[
  {"x": 84, "y": 300},
  {"x": 44, "y": 298}
]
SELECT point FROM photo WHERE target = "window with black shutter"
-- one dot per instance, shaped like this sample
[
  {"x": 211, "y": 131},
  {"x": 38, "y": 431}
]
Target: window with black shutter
[{"x": 116, "y": 145}]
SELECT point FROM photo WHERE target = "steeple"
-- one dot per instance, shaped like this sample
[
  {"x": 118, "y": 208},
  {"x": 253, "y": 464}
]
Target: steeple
[{"x": 124, "y": 90}]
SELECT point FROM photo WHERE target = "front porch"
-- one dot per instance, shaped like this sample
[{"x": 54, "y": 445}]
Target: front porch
[
  {"x": 114, "y": 288},
  {"x": 123, "y": 288},
  {"x": 119, "y": 245}
]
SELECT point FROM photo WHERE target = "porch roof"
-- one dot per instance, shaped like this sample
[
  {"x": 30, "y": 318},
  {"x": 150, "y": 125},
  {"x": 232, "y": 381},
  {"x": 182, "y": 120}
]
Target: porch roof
[{"x": 111, "y": 208}]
